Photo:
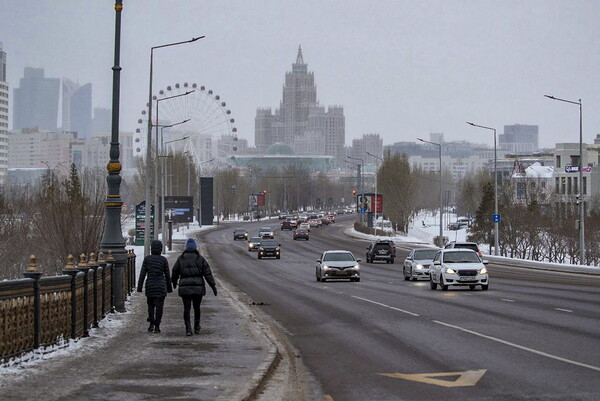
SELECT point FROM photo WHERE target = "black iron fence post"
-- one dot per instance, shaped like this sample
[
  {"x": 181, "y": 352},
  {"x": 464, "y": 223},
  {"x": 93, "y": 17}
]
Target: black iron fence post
[
  {"x": 32, "y": 273},
  {"x": 84, "y": 268},
  {"x": 113, "y": 280},
  {"x": 72, "y": 271},
  {"x": 93, "y": 264},
  {"x": 102, "y": 263}
]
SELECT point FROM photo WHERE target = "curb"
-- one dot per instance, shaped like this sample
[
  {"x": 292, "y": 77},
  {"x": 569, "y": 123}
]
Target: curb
[{"x": 251, "y": 389}]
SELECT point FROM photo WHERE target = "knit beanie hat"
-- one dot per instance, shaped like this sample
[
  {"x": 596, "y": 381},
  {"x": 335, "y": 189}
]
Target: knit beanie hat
[{"x": 190, "y": 245}]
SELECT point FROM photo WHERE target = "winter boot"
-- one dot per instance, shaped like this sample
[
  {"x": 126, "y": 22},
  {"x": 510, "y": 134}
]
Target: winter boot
[
  {"x": 188, "y": 329},
  {"x": 157, "y": 328},
  {"x": 151, "y": 328},
  {"x": 197, "y": 327}
]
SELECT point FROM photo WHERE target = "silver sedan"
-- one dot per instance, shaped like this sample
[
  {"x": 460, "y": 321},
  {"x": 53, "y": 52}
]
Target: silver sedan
[
  {"x": 337, "y": 265},
  {"x": 416, "y": 264}
]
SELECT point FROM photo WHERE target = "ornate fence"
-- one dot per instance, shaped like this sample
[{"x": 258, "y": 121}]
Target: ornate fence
[{"x": 40, "y": 311}]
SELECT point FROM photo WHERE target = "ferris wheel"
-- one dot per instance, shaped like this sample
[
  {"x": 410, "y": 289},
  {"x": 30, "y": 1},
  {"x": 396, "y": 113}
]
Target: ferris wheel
[{"x": 207, "y": 134}]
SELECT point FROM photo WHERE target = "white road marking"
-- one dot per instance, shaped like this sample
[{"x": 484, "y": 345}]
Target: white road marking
[
  {"x": 507, "y": 300},
  {"x": 386, "y": 306},
  {"x": 564, "y": 310},
  {"x": 534, "y": 351}
]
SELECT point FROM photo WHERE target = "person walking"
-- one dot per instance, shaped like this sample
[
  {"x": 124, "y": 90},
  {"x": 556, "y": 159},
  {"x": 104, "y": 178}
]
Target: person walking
[
  {"x": 190, "y": 270},
  {"x": 158, "y": 284}
]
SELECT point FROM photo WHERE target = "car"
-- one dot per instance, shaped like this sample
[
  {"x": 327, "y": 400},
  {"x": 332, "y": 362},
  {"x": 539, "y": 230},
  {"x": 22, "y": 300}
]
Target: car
[
  {"x": 301, "y": 233},
  {"x": 282, "y": 216},
  {"x": 380, "y": 250},
  {"x": 337, "y": 264},
  {"x": 269, "y": 247},
  {"x": 286, "y": 225},
  {"x": 463, "y": 245},
  {"x": 313, "y": 223},
  {"x": 265, "y": 232},
  {"x": 294, "y": 224},
  {"x": 392, "y": 244},
  {"x": 416, "y": 264},
  {"x": 325, "y": 220},
  {"x": 458, "y": 267},
  {"x": 253, "y": 243},
  {"x": 240, "y": 233},
  {"x": 305, "y": 226}
]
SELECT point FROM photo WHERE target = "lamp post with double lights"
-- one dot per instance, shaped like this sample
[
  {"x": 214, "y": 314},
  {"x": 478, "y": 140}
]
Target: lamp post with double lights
[
  {"x": 157, "y": 125},
  {"x": 360, "y": 180},
  {"x": 164, "y": 175},
  {"x": 376, "y": 198},
  {"x": 441, "y": 237},
  {"x": 497, "y": 216},
  {"x": 149, "y": 144},
  {"x": 581, "y": 204}
]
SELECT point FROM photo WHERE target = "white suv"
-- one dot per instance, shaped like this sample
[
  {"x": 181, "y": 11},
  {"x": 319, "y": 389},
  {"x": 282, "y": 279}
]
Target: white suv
[{"x": 458, "y": 267}]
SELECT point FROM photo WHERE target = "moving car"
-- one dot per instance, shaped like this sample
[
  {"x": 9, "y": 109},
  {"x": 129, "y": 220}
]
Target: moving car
[
  {"x": 304, "y": 226},
  {"x": 253, "y": 243},
  {"x": 313, "y": 223},
  {"x": 301, "y": 233},
  {"x": 265, "y": 232},
  {"x": 416, "y": 264},
  {"x": 458, "y": 267},
  {"x": 337, "y": 264},
  {"x": 240, "y": 233},
  {"x": 464, "y": 245},
  {"x": 380, "y": 250},
  {"x": 269, "y": 247},
  {"x": 286, "y": 225}
]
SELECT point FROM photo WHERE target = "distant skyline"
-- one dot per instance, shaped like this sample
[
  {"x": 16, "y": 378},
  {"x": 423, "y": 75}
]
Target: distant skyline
[{"x": 402, "y": 69}]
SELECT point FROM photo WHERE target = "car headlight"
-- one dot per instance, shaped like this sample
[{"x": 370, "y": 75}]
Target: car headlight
[
  {"x": 450, "y": 271},
  {"x": 483, "y": 271},
  {"x": 325, "y": 267},
  {"x": 419, "y": 266}
]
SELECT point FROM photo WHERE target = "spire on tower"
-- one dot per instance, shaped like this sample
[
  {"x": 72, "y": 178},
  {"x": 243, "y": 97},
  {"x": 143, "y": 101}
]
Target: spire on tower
[{"x": 299, "y": 59}]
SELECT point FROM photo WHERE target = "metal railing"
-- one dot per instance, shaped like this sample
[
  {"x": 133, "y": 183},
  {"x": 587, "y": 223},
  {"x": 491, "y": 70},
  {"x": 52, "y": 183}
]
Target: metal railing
[{"x": 38, "y": 311}]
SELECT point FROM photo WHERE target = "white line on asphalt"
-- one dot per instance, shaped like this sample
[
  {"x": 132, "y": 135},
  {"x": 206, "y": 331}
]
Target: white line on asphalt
[
  {"x": 534, "y": 351},
  {"x": 507, "y": 300},
  {"x": 564, "y": 310},
  {"x": 386, "y": 306}
]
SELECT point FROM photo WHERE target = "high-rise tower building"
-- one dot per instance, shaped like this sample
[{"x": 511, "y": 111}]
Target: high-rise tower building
[
  {"x": 35, "y": 101},
  {"x": 300, "y": 120},
  {"x": 77, "y": 108},
  {"x": 519, "y": 138},
  {"x": 3, "y": 118}
]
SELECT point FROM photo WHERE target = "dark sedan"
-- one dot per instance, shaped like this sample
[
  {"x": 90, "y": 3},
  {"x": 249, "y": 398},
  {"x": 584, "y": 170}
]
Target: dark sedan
[
  {"x": 269, "y": 247},
  {"x": 301, "y": 233},
  {"x": 240, "y": 233}
]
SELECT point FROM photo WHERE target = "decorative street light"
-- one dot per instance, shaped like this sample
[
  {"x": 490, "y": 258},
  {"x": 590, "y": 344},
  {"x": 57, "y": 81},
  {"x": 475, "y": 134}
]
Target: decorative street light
[
  {"x": 496, "y": 218},
  {"x": 581, "y": 226},
  {"x": 441, "y": 237},
  {"x": 376, "y": 199},
  {"x": 112, "y": 239},
  {"x": 149, "y": 145}
]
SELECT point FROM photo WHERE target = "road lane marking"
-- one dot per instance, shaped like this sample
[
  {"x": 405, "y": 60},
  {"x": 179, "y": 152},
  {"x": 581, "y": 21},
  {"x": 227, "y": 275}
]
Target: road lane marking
[
  {"x": 463, "y": 379},
  {"x": 386, "y": 306},
  {"x": 507, "y": 300},
  {"x": 564, "y": 310},
  {"x": 522, "y": 347}
]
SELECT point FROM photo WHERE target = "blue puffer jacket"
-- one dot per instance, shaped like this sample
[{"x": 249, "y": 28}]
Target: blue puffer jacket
[
  {"x": 156, "y": 267},
  {"x": 191, "y": 269}
]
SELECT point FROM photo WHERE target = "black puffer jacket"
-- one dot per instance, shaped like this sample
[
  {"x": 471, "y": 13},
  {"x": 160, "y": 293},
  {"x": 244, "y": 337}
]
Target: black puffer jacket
[
  {"x": 156, "y": 267},
  {"x": 191, "y": 269}
]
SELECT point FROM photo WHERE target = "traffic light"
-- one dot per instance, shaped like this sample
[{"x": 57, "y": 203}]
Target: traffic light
[
  {"x": 354, "y": 192},
  {"x": 264, "y": 192}
]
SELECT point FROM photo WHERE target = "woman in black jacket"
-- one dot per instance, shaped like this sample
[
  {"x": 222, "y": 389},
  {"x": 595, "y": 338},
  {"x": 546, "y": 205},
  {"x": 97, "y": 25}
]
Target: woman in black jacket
[
  {"x": 191, "y": 269},
  {"x": 158, "y": 284}
]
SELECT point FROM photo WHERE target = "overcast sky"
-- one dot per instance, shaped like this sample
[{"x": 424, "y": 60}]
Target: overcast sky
[{"x": 399, "y": 68}]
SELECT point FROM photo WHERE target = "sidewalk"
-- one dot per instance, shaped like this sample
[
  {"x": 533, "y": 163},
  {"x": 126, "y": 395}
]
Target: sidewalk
[{"x": 122, "y": 361}]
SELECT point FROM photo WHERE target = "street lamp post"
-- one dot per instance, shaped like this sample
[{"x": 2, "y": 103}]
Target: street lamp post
[
  {"x": 149, "y": 145},
  {"x": 112, "y": 238},
  {"x": 376, "y": 199},
  {"x": 496, "y": 222},
  {"x": 441, "y": 237},
  {"x": 581, "y": 188},
  {"x": 360, "y": 180},
  {"x": 156, "y": 165}
]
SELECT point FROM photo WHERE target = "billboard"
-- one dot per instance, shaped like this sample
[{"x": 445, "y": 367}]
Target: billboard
[
  {"x": 205, "y": 196},
  {"x": 369, "y": 203},
  {"x": 255, "y": 200},
  {"x": 181, "y": 208},
  {"x": 140, "y": 223}
]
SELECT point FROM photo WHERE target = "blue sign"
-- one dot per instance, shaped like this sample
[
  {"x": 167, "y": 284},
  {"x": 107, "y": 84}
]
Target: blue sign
[
  {"x": 363, "y": 210},
  {"x": 496, "y": 218}
]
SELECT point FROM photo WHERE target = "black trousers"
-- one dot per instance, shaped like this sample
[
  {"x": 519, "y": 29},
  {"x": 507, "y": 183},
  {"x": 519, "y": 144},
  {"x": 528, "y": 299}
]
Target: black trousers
[
  {"x": 188, "y": 300},
  {"x": 155, "y": 309}
]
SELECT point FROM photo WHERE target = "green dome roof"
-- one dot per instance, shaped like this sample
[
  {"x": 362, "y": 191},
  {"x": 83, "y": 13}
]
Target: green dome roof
[{"x": 280, "y": 149}]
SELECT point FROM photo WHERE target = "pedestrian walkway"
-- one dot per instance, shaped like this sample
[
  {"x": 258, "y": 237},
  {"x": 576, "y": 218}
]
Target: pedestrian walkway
[{"x": 226, "y": 361}]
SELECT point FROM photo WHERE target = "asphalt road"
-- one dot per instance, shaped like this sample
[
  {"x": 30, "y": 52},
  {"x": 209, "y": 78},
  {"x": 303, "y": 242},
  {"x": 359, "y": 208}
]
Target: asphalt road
[{"x": 532, "y": 336}]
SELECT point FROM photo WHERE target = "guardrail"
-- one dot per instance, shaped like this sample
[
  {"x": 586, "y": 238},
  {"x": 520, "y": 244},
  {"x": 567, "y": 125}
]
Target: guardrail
[
  {"x": 531, "y": 264},
  {"x": 41, "y": 311}
]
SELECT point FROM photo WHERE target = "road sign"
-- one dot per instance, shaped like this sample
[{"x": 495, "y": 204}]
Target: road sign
[{"x": 496, "y": 218}]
